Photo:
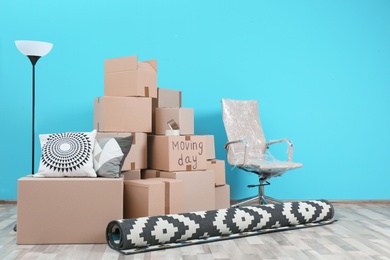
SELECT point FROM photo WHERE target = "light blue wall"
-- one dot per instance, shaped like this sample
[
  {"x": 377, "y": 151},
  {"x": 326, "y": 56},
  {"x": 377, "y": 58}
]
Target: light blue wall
[{"x": 320, "y": 70}]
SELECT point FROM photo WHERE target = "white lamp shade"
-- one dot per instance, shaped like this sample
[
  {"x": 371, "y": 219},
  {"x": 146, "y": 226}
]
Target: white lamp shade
[{"x": 34, "y": 48}]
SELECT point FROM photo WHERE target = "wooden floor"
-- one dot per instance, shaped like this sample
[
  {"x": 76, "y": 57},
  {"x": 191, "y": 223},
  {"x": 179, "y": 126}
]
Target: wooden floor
[{"x": 361, "y": 232}]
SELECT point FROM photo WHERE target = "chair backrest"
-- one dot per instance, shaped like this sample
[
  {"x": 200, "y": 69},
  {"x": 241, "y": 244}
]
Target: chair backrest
[{"x": 242, "y": 121}]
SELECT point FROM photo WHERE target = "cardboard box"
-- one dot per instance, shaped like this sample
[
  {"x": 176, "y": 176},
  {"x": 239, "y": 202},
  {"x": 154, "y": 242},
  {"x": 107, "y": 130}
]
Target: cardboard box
[
  {"x": 131, "y": 175},
  {"x": 174, "y": 190},
  {"x": 143, "y": 198},
  {"x": 154, "y": 106},
  {"x": 67, "y": 210},
  {"x": 177, "y": 153},
  {"x": 210, "y": 147},
  {"x": 137, "y": 157},
  {"x": 127, "y": 77},
  {"x": 169, "y": 98},
  {"x": 123, "y": 114},
  {"x": 150, "y": 173},
  {"x": 199, "y": 189},
  {"x": 184, "y": 118},
  {"x": 165, "y": 98},
  {"x": 219, "y": 167},
  {"x": 222, "y": 197}
]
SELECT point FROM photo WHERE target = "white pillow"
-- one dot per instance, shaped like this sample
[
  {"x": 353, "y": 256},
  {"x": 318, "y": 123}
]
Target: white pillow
[{"x": 68, "y": 154}]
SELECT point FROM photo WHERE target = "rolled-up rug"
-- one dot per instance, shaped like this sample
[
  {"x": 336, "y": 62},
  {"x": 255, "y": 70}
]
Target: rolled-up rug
[{"x": 136, "y": 235}]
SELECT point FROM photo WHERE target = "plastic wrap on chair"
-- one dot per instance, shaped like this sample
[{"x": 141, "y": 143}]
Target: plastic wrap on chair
[{"x": 248, "y": 146}]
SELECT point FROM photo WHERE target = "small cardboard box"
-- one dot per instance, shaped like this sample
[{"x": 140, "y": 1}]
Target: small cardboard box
[
  {"x": 150, "y": 173},
  {"x": 67, "y": 210},
  {"x": 174, "y": 190},
  {"x": 184, "y": 118},
  {"x": 222, "y": 197},
  {"x": 199, "y": 189},
  {"x": 143, "y": 198},
  {"x": 177, "y": 153},
  {"x": 137, "y": 157},
  {"x": 210, "y": 147},
  {"x": 219, "y": 167},
  {"x": 168, "y": 98},
  {"x": 131, "y": 175},
  {"x": 127, "y": 77},
  {"x": 123, "y": 114}
]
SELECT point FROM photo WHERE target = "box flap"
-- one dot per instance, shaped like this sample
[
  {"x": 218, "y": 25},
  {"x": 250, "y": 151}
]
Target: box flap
[
  {"x": 152, "y": 63},
  {"x": 121, "y": 64},
  {"x": 144, "y": 66}
]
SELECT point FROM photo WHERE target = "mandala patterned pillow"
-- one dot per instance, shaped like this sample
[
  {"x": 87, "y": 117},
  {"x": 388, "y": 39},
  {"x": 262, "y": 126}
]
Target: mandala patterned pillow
[
  {"x": 109, "y": 155},
  {"x": 67, "y": 154}
]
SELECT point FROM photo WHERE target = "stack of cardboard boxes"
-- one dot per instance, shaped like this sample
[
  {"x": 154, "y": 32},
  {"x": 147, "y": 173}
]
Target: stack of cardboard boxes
[
  {"x": 167, "y": 170},
  {"x": 162, "y": 173}
]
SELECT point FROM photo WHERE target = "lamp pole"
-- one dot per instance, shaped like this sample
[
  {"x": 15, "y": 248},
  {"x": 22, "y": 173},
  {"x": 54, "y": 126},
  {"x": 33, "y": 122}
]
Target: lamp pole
[{"x": 33, "y": 60}]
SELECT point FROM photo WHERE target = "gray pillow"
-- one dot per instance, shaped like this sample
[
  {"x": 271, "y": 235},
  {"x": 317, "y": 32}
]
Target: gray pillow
[{"x": 109, "y": 155}]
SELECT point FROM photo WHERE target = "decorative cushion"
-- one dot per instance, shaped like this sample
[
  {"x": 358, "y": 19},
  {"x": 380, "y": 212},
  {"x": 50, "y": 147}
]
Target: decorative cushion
[
  {"x": 109, "y": 155},
  {"x": 67, "y": 154}
]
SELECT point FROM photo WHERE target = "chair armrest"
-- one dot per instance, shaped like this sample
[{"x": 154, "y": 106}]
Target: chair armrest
[
  {"x": 246, "y": 144},
  {"x": 289, "y": 143}
]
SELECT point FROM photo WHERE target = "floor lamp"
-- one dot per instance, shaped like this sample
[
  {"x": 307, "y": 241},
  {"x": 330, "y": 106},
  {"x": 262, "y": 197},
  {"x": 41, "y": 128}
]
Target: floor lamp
[{"x": 33, "y": 50}]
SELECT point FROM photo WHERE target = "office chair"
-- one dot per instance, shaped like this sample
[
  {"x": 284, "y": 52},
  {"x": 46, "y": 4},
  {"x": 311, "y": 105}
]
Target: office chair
[{"x": 247, "y": 148}]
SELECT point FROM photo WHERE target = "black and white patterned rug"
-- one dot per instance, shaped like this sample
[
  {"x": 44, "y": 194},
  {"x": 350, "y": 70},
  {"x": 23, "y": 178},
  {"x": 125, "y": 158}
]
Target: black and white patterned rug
[{"x": 137, "y": 235}]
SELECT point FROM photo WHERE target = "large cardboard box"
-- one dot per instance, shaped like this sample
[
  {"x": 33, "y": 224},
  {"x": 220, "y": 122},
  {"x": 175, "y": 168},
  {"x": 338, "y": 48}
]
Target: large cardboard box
[
  {"x": 222, "y": 197},
  {"x": 123, "y": 114},
  {"x": 143, "y": 198},
  {"x": 220, "y": 174},
  {"x": 174, "y": 190},
  {"x": 128, "y": 77},
  {"x": 183, "y": 117},
  {"x": 169, "y": 98},
  {"x": 67, "y": 210},
  {"x": 199, "y": 189},
  {"x": 177, "y": 153},
  {"x": 137, "y": 157}
]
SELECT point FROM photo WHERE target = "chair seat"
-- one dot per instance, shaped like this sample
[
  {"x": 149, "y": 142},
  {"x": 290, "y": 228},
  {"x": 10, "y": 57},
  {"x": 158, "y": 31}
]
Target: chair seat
[{"x": 269, "y": 169}]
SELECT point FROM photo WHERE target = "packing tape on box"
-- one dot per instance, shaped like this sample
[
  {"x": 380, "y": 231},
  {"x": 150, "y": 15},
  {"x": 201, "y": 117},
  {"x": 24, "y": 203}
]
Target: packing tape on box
[{"x": 172, "y": 132}]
